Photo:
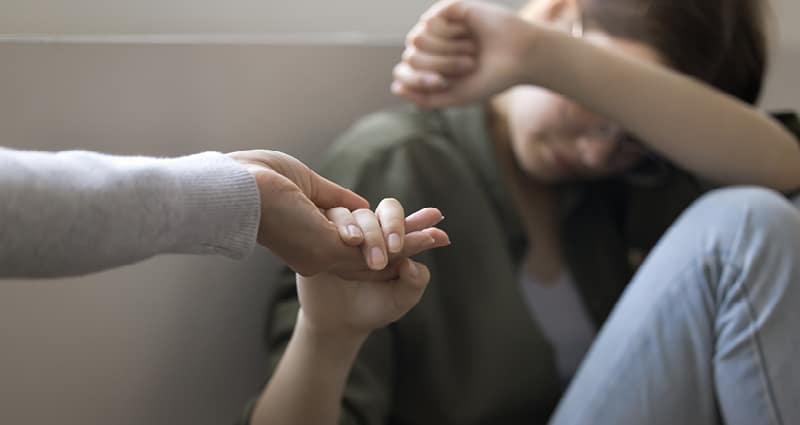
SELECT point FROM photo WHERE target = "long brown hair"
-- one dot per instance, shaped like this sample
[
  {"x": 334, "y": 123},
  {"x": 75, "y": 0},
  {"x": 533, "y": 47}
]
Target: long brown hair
[{"x": 721, "y": 42}]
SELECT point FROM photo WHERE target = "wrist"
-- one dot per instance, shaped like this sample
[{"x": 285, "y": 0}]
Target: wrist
[
  {"x": 217, "y": 206},
  {"x": 545, "y": 56},
  {"x": 327, "y": 337},
  {"x": 534, "y": 45}
]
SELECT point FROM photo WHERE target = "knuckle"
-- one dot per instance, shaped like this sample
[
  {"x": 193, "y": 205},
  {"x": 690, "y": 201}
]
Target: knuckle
[
  {"x": 414, "y": 60},
  {"x": 388, "y": 203},
  {"x": 419, "y": 40},
  {"x": 408, "y": 53},
  {"x": 429, "y": 25},
  {"x": 464, "y": 46},
  {"x": 373, "y": 236},
  {"x": 306, "y": 269},
  {"x": 338, "y": 212},
  {"x": 451, "y": 65}
]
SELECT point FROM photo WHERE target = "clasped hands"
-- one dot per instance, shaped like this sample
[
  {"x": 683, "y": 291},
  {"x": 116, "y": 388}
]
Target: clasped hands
[{"x": 316, "y": 226}]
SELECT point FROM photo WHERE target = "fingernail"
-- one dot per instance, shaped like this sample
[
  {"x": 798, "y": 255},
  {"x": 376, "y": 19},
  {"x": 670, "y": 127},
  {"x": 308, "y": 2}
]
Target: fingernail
[
  {"x": 353, "y": 231},
  {"x": 377, "y": 257},
  {"x": 446, "y": 241},
  {"x": 394, "y": 242}
]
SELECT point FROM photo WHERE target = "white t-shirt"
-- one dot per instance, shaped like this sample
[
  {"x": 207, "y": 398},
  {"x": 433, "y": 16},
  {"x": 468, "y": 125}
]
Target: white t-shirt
[{"x": 561, "y": 315}]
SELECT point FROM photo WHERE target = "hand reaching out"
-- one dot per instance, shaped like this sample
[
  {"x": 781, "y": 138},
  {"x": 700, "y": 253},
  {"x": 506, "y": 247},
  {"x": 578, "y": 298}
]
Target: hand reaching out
[{"x": 296, "y": 230}]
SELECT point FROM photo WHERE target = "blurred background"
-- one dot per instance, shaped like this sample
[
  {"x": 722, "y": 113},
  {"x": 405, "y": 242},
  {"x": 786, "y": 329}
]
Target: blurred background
[{"x": 178, "y": 340}]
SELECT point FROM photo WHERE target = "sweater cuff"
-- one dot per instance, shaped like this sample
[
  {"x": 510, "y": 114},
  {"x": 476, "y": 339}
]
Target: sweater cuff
[{"x": 220, "y": 204}]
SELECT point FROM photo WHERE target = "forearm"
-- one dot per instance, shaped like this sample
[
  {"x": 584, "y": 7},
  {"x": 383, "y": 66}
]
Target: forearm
[
  {"x": 308, "y": 384},
  {"x": 72, "y": 213},
  {"x": 703, "y": 130}
]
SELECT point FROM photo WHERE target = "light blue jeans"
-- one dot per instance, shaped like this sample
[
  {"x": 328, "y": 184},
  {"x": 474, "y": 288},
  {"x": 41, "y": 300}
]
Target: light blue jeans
[{"x": 708, "y": 332}]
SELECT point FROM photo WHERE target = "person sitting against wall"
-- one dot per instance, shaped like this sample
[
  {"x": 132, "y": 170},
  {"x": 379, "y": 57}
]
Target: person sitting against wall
[{"x": 596, "y": 123}]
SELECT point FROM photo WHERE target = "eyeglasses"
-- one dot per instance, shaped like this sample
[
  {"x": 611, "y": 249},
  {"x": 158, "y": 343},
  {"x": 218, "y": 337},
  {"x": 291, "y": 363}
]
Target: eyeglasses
[
  {"x": 625, "y": 141},
  {"x": 653, "y": 169}
]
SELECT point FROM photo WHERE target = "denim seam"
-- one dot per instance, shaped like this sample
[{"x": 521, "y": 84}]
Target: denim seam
[
  {"x": 728, "y": 259},
  {"x": 739, "y": 294}
]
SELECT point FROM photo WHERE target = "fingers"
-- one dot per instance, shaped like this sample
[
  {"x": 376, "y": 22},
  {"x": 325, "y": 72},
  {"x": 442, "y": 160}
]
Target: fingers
[
  {"x": 416, "y": 231},
  {"x": 422, "y": 219},
  {"x": 437, "y": 47},
  {"x": 392, "y": 221},
  {"x": 319, "y": 190},
  {"x": 327, "y": 194},
  {"x": 423, "y": 240},
  {"x": 440, "y": 53},
  {"x": 416, "y": 96},
  {"x": 414, "y": 274},
  {"x": 423, "y": 81},
  {"x": 446, "y": 65},
  {"x": 374, "y": 247},
  {"x": 430, "y": 100},
  {"x": 429, "y": 42},
  {"x": 346, "y": 224},
  {"x": 416, "y": 243}
]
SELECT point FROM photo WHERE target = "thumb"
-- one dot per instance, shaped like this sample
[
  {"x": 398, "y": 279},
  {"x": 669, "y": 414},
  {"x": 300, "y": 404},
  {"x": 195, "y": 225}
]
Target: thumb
[{"x": 327, "y": 194}]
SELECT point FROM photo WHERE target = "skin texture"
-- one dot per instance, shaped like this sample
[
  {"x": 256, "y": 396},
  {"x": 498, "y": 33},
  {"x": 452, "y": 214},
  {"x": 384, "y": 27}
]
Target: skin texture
[{"x": 295, "y": 228}]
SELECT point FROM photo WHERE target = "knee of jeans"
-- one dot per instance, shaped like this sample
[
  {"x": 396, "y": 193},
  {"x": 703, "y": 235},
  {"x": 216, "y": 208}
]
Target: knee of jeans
[{"x": 731, "y": 208}]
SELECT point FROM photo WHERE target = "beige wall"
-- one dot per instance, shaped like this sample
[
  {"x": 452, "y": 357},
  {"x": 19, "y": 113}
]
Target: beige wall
[
  {"x": 175, "y": 340},
  {"x": 373, "y": 17}
]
